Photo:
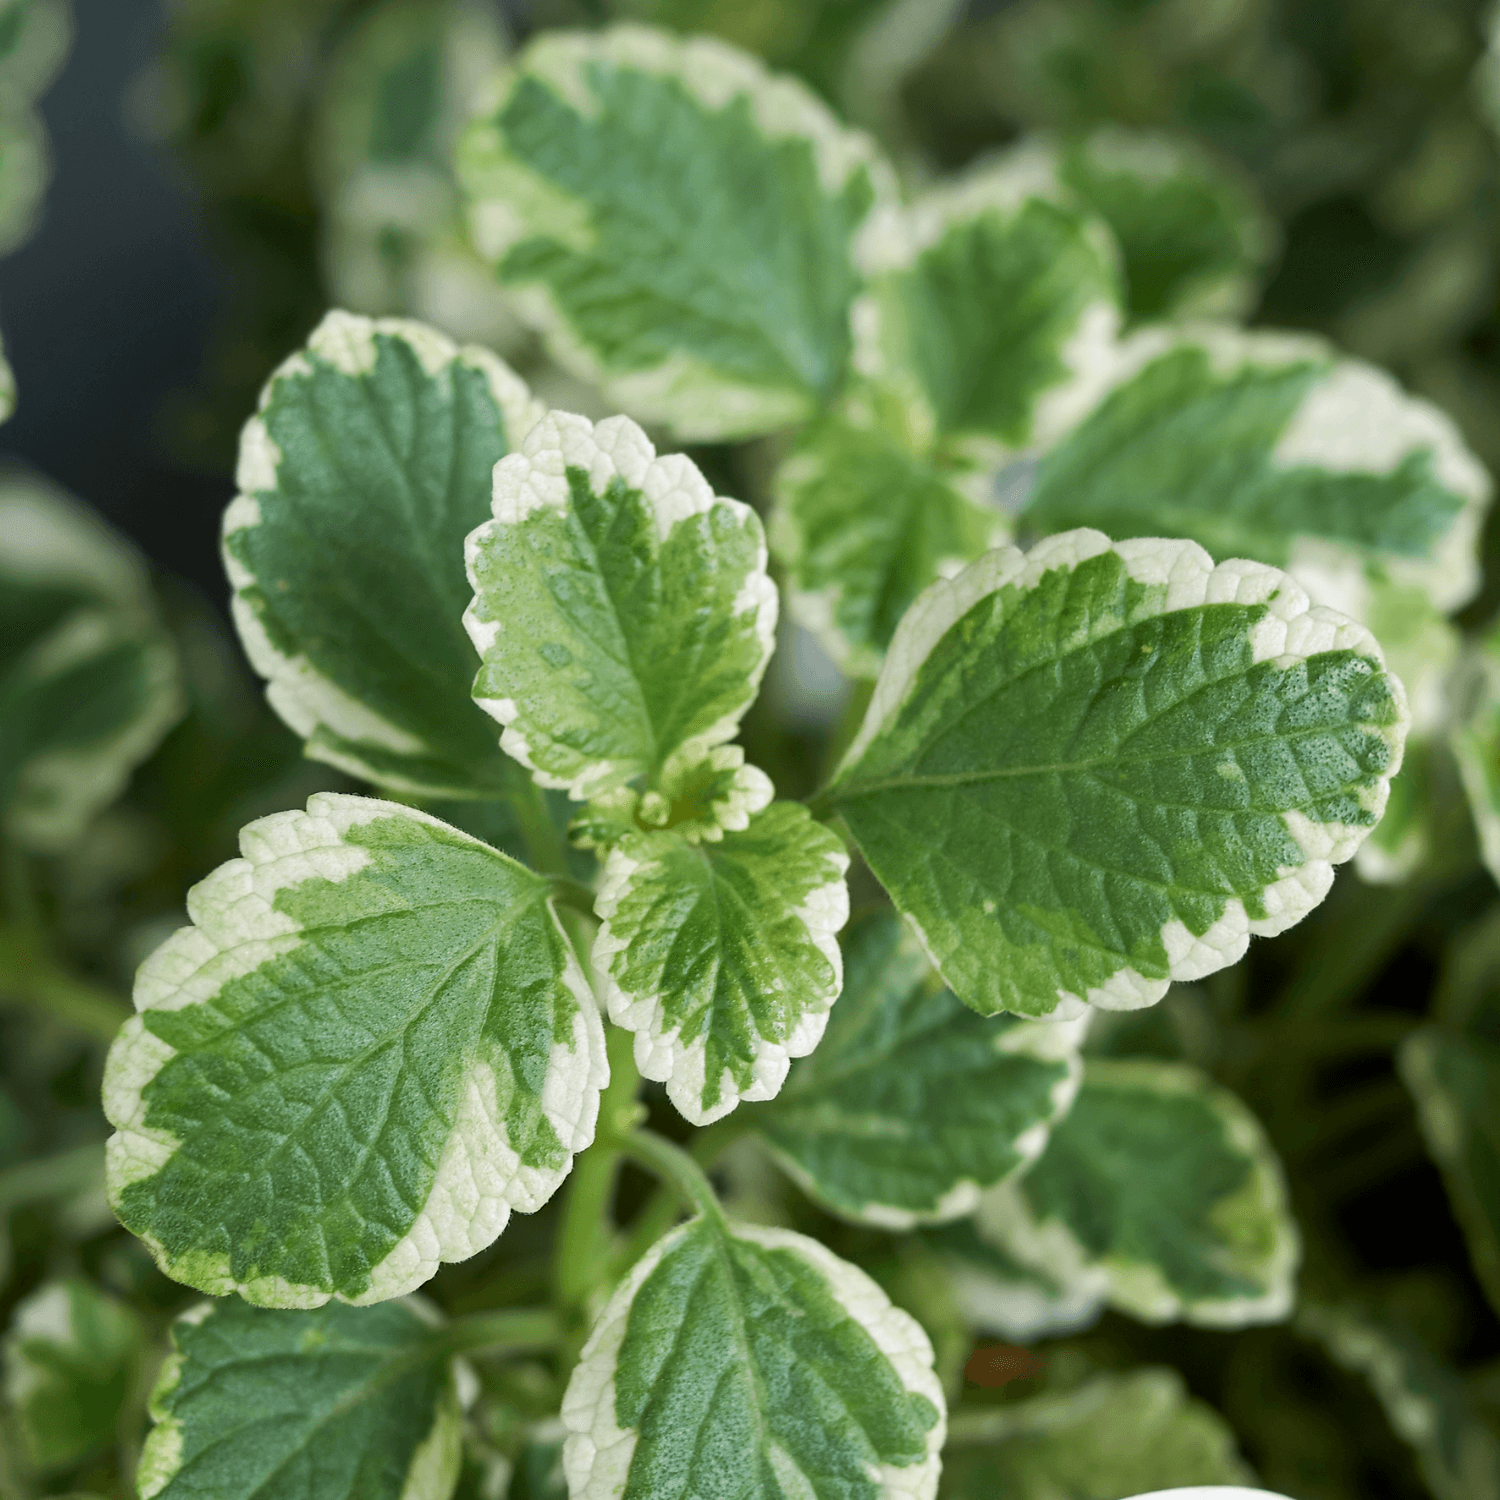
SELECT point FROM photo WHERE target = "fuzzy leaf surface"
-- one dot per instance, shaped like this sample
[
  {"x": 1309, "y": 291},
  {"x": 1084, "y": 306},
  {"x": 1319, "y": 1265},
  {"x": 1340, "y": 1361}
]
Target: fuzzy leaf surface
[
  {"x": 738, "y": 1360},
  {"x": 71, "y": 1353},
  {"x": 1089, "y": 770},
  {"x": 1159, "y": 1191},
  {"x": 1268, "y": 446},
  {"x": 720, "y": 956},
  {"x": 912, "y": 1104},
  {"x": 992, "y": 308},
  {"x": 340, "y": 1403},
  {"x": 862, "y": 525},
  {"x": 1139, "y": 1432},
  {"x": 367, "y": 465},
  {"x": 374, "y": 1042},
  {"x": 678, "y": 222},
  {"x": 621, "y": 609},
  {"x": 89, "y": 679}
]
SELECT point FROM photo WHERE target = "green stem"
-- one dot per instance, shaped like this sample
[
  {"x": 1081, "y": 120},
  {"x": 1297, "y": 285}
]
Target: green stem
[
  {"x": 572, "y": 894},
  {"x": 662, "y": 1210},
  {"x": 30, "y": 976},
  {"x": 584, "y": 1236},
  {"x": 545, "y": 846},
  {"x": 505, "y": 1331},
  {"x": 675, "y": 1167},
  {"x": 55, "y": 1176}
]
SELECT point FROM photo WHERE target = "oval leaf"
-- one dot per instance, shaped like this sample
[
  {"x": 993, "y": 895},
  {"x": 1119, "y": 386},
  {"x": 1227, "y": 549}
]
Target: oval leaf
[
  {"x": 1159, "y": 1191},
  {"x": 89, "y": 679},
  {"x": 1193, "y": 234},
  {"x": 367, "y": 466},
  {"x": 736, "y": 1359},
  {"x": 342, "y": 1404},
  {"x": 678, "y": 222},
  {"x": 993, "y": 308},
  {"x": 621, "y": 609},
  {"x": 863, "y": 525},
  {"x": 1089, "y": 770},
  {"x": 1269, "y": 446},
  {"x": 374, "y": 1043},
  {"x": 912, "y": 1104},
  {"x": 1140, "y": 1431},
  {"x": 720, "y": 956}
]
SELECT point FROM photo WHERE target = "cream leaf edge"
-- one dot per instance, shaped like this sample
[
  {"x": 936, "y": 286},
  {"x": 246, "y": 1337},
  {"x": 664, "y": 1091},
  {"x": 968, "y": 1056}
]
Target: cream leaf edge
[
  {"x": 535, "y": 478},
  {"x": 1292, "y": 630},
  {"x": 236, "y": 928},
  {"x": 306, "y": 698},
  {"x": 660, "y": 1053},
  {"x": 597, "y": 1452}
]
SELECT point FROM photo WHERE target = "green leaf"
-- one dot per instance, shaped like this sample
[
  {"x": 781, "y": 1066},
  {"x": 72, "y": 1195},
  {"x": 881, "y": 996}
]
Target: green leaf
[
  {"x": 678, "y": 222},
  {"x": 374, "y": 1043},
  {"x": 1426, "y": 1402},
  {"x": 1401, "y": 843},
  {"x": 25, "y": 166},
  {"x": 621, "y": 609},
  {"x": 72, "y": 1353},
  {"x": 1159, "y": 1191},
  {"x": 367, "y": 466},
  {"x": 1475, "y": 741},
  {"x": 1194, "y": 236},
  {"x": 993, "y": 308},
  {"x": 1089, "y": 770},
  {"x": 89, "y": 679},
  {"x": 862, "y": 525},
  {"x": 396, "y": 97},
  {"x": 721, "y": 956},
  {"x": 1268, "y": 446},
  {"x": 1115, "y": 1434},
  {"x": 7, "y": 386},
  {"x": 913, "y": 1104},
  {"x": 741, "y": 1360},
  {"x": 999, "y": 1294},
  {"x": 1454, "y": 1076},
  {"x": 339, "y": 1404}
]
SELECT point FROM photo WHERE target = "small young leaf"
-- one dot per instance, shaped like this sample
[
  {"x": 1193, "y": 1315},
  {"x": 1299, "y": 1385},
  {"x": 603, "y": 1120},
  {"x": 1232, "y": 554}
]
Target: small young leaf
[
  {"x": 71, "y": 1354},
  {"x": 740, "y": 1360},
  {"x": 1159, "y": 1190},
  {"x": 89, "y": 680},
  {"x": 999, "y": 1294},
  {"x": 679, "y": 223},
  {"x": 1089, "y": 770},
  {"x": 863, "y": 525},
  {"x": 1268, "y": 446},
  {"x": 621, "y": 609},
  {"x": 339, "y": 1404},
  {"x": 367, "y": 466},
  {"x": 1427, "y": 1403},
  {"x": 1476, "y": 744},
  {"x": 721, "y": 956},
  {"x": 1454, "y": 1076},
  {"x": 1193, "y": 235},
  {"x": 913, "y": 1104},
  {"x": 374, "y": 1043},
  {"x": 993, "y": 309},
  {"x": 1115, "y": 1434}
]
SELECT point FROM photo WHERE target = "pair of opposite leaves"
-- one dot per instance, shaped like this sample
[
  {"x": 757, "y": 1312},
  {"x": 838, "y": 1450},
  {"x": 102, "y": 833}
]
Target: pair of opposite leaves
[{"x": 1086, "y": 771}]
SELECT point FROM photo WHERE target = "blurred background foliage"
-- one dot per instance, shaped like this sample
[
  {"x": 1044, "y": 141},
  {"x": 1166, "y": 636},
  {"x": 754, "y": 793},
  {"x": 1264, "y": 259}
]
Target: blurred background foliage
[{"x": 306, "y": 143}]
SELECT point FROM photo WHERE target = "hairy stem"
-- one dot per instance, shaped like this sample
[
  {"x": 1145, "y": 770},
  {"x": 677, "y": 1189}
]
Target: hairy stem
[{"x": 676, "y": 1168}]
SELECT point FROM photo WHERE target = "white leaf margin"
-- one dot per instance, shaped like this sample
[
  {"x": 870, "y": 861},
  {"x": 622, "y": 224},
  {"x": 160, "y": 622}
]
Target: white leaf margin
[
  {"x": 597, "y": 1452},
  {"x": 660, "y": 1053},
  {"x": 508, "y": 202},
  {"x": 1292, "y": 630},
  {"x": 1005, "y": 1218},
  {"x": 236, "y": 928},
  {"x": 536, "y": 478},
  {"x": 306, "y": 698}
]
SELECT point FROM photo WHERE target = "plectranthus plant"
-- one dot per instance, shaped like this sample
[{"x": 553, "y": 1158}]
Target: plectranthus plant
[{"x": 1136, "y": 611}]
